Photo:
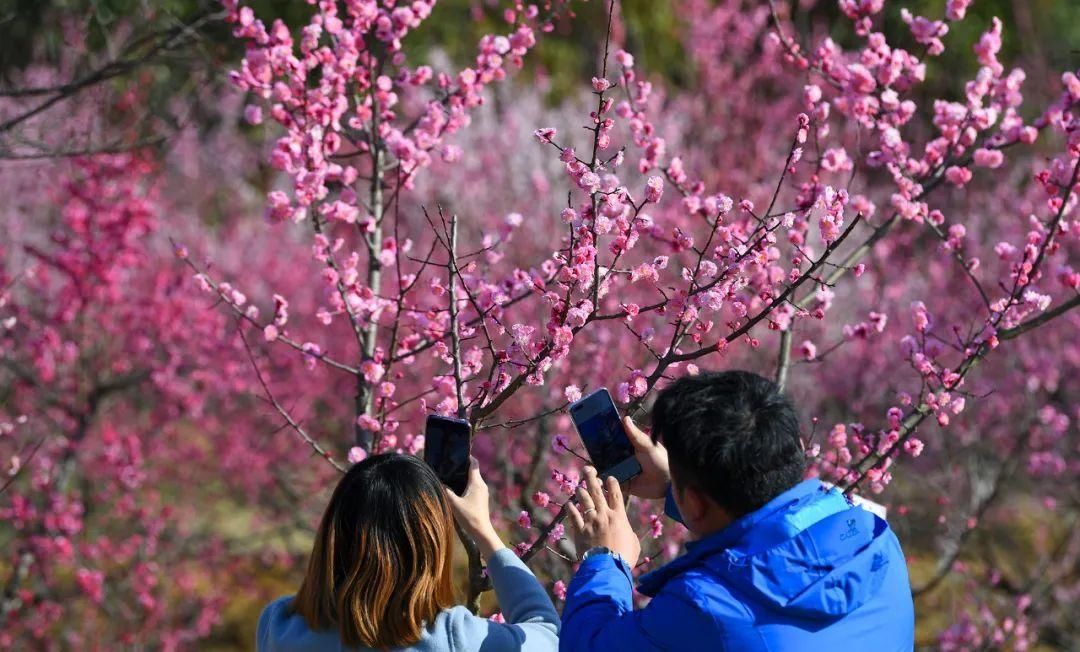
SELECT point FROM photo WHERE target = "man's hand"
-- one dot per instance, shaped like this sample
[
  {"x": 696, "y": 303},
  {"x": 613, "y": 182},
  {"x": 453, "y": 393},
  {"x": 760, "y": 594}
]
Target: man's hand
[
  {"x": 601, "y": 519},
  {"x": 655, "y": 474}
]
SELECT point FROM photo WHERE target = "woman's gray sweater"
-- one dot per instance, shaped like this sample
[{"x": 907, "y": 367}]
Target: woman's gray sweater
[{"x": 532, "y": 624}]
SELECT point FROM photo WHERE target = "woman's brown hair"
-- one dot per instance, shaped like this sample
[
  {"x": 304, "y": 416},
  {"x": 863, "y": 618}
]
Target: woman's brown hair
[{"x": 381, "y": 564}]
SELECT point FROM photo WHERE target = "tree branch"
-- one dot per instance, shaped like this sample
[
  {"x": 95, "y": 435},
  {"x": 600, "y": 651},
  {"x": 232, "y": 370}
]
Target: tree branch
[{"x": 315, "y": 446}]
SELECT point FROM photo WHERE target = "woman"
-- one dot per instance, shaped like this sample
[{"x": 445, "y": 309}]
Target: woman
[{"x": 380, "y": 572}]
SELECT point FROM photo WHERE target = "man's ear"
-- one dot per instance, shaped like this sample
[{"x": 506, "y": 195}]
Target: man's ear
[
  {"x": 701, "y": 514},
  {"x": 693, "y": 504}
]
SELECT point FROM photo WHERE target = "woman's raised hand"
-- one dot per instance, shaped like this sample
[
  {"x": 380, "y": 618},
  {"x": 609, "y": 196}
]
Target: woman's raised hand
[{"x": 473, "y": 512}]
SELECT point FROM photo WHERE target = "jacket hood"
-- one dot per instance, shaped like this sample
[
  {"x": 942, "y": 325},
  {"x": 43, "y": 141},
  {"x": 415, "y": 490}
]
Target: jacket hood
[{"x": 808, "y": 552}]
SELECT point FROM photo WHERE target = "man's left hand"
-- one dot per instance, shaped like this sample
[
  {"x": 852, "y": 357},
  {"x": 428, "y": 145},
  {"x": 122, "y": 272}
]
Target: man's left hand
[{"x": 601, "y": 518}]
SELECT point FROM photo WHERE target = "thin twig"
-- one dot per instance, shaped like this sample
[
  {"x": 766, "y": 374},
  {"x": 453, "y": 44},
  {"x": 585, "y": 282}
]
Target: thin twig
[{"x": 315, "y": 446}]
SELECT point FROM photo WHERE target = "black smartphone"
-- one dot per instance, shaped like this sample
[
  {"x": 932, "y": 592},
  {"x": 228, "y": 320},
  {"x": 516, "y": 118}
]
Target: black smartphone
[
  {"x": 446, "y": 449},
  {"x": 598, "y": 424}
]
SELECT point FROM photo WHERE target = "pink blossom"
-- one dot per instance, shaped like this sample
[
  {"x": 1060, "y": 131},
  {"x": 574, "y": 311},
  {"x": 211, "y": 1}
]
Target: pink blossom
[
  {"x": 372, "y": 371},
  {"x": 91, "y": 582},
  {"x": 955, "y": 9},
  {"x": 368, "y": 423},
  {"x": 858, "y": 8},
  {"x": 524, "y": 520},
  {"x": 545, "y": 135},
  {"x": 589, "y": 182},
  {"x": 279, "y": 208},
  {"x": 988, "y": 158},
  {"x": 958, "y": 176},
  {"x": 203, "y": 282},
  {"x": 836, "y": 159},
  {"x": 253, "y": 114},
  {"x": 357, "y": 455},
  {"x": 989, "y": 45},
  {"x": 928, "y": 32},
  {"x": 644, "y": 271},
  {"x": 838, "y": 436},
  {"x": 563, "y": 336},
  {"x": 559, "y": 590},
  {"x": 654, "y": 189},
  {"x": 451, "y": 153},
  {"x": 656, "y": 526},
  {"x": 600, "y": 84}
]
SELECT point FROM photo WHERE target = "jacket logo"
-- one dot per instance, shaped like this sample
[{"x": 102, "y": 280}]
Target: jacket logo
[{"x": 851, "y": 530}]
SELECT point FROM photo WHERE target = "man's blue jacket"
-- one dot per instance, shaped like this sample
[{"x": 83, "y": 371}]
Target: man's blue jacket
[{"x": 808, "y": 571}]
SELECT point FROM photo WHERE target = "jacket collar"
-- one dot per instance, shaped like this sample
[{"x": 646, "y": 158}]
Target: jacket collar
[{"x": 758, "y": 529}]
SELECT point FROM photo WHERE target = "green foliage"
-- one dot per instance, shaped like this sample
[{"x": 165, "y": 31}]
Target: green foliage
[
  {"x": 1041, "y": 35},
  {"x": 22, "y": 32}
]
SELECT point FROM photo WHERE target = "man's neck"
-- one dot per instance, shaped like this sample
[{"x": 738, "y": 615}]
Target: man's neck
[{"x": 710, "y": 524}]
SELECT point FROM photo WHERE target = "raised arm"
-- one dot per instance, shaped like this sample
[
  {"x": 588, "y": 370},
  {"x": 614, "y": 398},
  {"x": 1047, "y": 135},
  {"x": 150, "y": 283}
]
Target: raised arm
[{"x": 532, "y": 624}]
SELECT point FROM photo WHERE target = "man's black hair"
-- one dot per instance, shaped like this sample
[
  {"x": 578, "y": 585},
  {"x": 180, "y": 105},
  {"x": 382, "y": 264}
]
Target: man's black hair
[{"x": 732, "y": 435}]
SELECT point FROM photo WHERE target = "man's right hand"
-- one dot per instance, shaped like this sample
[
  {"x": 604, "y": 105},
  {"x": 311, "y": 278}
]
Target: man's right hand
[{"x": 655, "y": 474}]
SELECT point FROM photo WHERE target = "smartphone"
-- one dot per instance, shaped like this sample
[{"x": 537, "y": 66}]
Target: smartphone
[
  {"x": 598, "y": 424},
  {"x": 446, "y": 450}
]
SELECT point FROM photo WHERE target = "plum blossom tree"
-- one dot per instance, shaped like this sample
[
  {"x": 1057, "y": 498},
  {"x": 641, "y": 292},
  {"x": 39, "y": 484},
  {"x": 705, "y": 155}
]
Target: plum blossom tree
[
  {"x": 63, "y": 109},
  {"x": 89, "y": 318},
  {"x": 440, "y": 242},
  {"x": 655, "y": 284}
]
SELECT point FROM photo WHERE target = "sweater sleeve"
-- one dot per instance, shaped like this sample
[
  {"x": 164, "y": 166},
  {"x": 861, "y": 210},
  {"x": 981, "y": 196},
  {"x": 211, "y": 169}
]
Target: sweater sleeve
[
  {"x": 521, "y": 597},
  {"x": 532, "y": 624},
  {"x": 276, "y": 623}
]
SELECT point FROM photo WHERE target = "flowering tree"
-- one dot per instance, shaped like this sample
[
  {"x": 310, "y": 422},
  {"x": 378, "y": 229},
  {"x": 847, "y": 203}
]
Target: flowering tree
[
  {"x": 67, "y": 108},
  {"x": 364, "y": 109},
  {"x": 663, "y": 284},
  {"x": 904, "y": 265},
  {"x": 87, "y": 319}
]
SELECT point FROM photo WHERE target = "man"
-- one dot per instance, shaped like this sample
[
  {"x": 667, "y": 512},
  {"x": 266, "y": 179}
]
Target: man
[{"x": 776, "y": 563}]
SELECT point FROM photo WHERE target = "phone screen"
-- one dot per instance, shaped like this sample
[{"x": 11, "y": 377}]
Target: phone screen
[
  {"x": 601, "y": 431},
  {"x": 446, "y": 450}
]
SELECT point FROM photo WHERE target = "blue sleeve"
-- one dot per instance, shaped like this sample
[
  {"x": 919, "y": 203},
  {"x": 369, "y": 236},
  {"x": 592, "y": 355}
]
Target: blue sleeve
[
  {"x": 262, "y": 635},
  {"x": 274, "y": 612},
  {"x": 532, "y": 624},
  {"x": 670, "y": 508},
  {"x": 599, "y": 614}
]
